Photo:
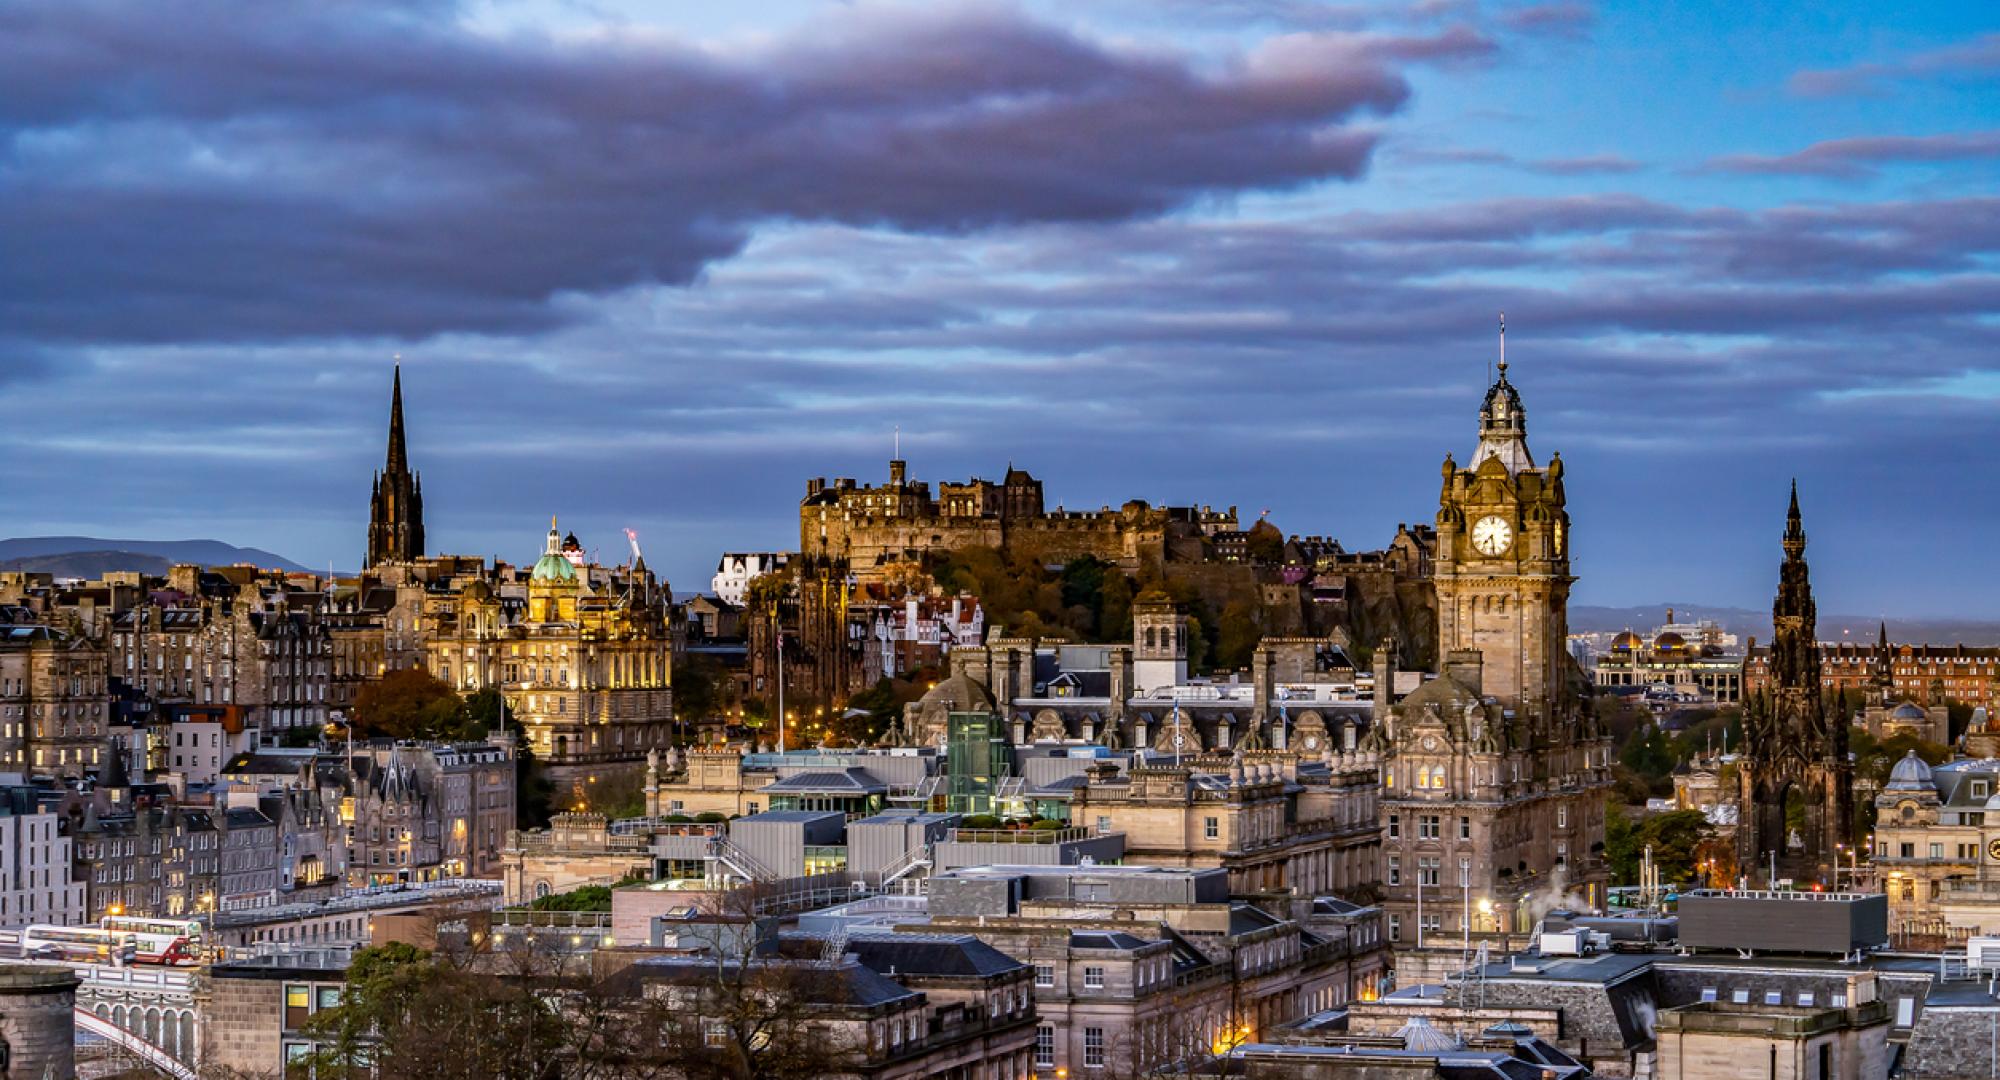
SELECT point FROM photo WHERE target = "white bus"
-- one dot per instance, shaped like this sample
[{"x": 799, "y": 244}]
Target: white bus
[
  {"x": 159, "y": 941},
  {"x": 84, "y": 944}
]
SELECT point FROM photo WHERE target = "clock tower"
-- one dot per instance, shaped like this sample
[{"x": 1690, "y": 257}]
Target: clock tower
[{"x": 1502, "y": 567}]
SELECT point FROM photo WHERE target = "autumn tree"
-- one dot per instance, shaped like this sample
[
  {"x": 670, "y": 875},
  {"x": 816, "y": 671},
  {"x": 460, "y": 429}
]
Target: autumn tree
[{"x": 411, "y": 703}]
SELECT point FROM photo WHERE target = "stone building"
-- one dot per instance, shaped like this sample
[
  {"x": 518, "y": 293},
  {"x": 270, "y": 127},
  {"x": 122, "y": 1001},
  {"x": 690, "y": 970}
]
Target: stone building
[
  {"x": 1494, "y": 771},
  {"x": 874, "y": 528},
  {"x": 1937, "y": 850},
  {"x": 1926, "y": 675},
  {"x": 1137, "y": 968},
  {"x": 55, "y": 701},
  {"x": 1690, "y": 671},
  {"x": 1274, "y": 822},
  {"x": 584, "y": 659},
  {"x": 255, "y": 1012}
]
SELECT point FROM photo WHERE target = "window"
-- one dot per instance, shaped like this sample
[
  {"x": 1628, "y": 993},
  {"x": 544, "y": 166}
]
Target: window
[
  {"x": 1806, "y": 1000},
  {"x": 1395, "y": 827},
  {"x": 715, "y": 1033},
  {"x": 1093, "y": 978},
  {"x": 1908, "y": 851},
  {"x": 1211, "y": 828},
  {"x": 1093, "y": 1048},
  {"x": 1427, "y": 870},
  {"x": 1103, "y": 824},
  {"x": 1045, "y": 1046},
  {"x": 1774, "y": 997},
  {"x": 1937, "y": 850},
  {"x": 1395, "y": 928},
  {"x": 1464, "y": 828},
  {"x": 1427, "y": 827},
  {"x": 1562, "y": 816},
  {"x": 1045, "y": 975},
  {"x": 1395, "y": 870},
  {"x": 298, "y": 1006},
  {"x": 1739, "y": 997},
  {"x": 1708, "y": 993}
]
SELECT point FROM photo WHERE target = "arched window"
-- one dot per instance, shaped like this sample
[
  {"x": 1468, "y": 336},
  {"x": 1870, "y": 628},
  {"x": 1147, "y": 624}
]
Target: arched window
[{"x": 541, "y": 889}]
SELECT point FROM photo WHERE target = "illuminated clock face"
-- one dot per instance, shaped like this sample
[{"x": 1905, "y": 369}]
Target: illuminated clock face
[
  {"x": 1993, "y": 849},
  {"x": 1491, "y": 535}
]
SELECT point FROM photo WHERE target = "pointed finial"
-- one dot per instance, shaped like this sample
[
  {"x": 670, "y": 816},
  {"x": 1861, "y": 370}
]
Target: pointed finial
[
  {"x": 1503, "y": 345},
  {"x": 899, "y": 442}
]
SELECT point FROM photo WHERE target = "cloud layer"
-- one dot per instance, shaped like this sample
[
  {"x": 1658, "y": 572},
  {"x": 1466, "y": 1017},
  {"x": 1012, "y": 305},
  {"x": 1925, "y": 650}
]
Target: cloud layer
[
  {"x": 238, "y": 170},
  {"x": 647, "y": 280}
]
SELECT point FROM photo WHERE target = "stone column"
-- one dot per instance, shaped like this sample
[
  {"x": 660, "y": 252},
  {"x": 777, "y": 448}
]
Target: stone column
[{"x": 38, "y": 1019}]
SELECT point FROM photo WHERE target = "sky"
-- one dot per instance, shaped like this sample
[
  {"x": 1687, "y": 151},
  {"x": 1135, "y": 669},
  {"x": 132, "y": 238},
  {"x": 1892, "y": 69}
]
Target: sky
[{"x": 654, "y": 265}]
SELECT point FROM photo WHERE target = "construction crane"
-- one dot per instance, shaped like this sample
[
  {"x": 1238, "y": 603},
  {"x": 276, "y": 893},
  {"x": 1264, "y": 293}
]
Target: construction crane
[{"x": 632, "y": 537}]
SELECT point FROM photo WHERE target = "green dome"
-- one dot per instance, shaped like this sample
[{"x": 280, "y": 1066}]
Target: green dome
[
  {"x": 553, "y": 565},
  {"x": 553, "y": 568}
]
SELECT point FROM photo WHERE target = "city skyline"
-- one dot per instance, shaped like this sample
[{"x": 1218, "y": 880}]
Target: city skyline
[{"x": 1711, "y": 288}]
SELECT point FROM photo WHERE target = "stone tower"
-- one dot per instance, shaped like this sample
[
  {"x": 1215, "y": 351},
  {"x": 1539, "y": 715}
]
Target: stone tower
[
  {"x": 1493, "y": 770},
  {"x": 1502, "y": 567},
  {"x": 1159, "y": 643},
  {"x": 1791, "y": 741},
  {"x": 396, "y": 514},
  {"x": 38, "y": 1020}
]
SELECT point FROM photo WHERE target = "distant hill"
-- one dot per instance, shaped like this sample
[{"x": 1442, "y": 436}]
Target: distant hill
[
  {"x": 1745, "y": 623},
  {"x": 89, "y": 556}
]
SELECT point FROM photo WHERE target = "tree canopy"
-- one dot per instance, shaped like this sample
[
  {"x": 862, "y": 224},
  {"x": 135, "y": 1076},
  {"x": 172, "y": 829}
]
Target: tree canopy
[{"x": 411, "y": 703}]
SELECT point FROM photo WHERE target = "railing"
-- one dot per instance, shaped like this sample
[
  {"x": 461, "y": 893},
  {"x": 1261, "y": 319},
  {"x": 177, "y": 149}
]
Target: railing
[
  {"x": 551, "y": 920},
  {"x": 911, "y": 860},
  {"x": 742, "y": 862},
  {"x": 373, "y": 896},
  {"x": 153, "y": 1055},
  {"x": 1023, "y": 836}
]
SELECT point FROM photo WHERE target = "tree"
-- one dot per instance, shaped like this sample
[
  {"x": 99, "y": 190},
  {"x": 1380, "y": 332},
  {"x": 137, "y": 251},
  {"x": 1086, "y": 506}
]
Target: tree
[
  {"x": 534, "y": 793},
  {"x": 1265, "y": 544},
  {"x": 1676, "y": 837},
  {"x": 411, "y": 703},
  {"x": 1238, "y": 635},
  {"x": 697, "y": 688}
]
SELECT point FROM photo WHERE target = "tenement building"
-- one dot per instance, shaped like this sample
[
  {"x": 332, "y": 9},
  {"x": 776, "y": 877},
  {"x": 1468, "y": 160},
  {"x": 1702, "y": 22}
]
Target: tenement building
[
  {"x": 1494, "y": 771},
  {"x": 55, "y": 703}
]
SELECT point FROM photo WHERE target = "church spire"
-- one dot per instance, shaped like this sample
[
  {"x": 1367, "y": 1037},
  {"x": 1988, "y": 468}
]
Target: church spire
[
  {"x": 396, "y": 512},
  {"x": 399, "y": 457}
]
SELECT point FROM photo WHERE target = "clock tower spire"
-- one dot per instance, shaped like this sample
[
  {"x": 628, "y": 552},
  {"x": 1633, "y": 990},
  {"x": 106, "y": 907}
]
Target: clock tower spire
[{"x": 1502, "y": 571}]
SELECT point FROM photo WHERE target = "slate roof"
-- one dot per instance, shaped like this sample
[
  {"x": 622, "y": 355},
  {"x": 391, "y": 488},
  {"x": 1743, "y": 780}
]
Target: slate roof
[
  {"x": 847, "y": 983},
  {"x": 930, "y": 954},
  {"x": 1105, "y": 939},
  {"x": 848, "y": 781}
]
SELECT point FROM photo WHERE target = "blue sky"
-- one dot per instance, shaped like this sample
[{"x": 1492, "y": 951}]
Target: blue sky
[{"x": 655, "y": 264}]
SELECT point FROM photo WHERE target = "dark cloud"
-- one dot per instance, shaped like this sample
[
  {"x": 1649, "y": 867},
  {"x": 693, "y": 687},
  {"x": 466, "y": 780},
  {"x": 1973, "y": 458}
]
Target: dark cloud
[
  {"x": 1863, "y": 156},
  {"x": 1978, "y": 58},
  {"x": 223, "y": 169}
]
